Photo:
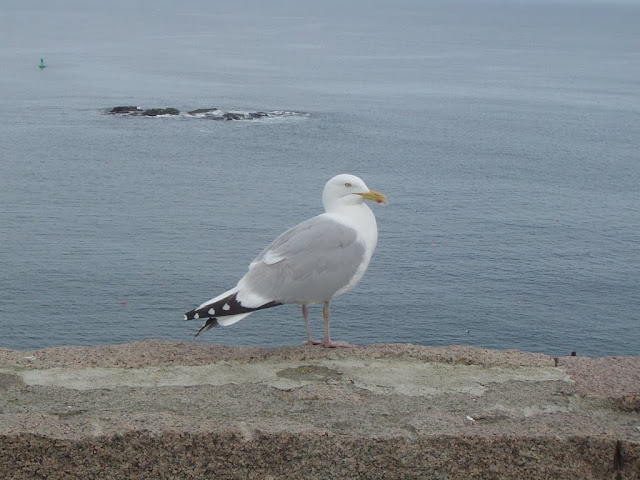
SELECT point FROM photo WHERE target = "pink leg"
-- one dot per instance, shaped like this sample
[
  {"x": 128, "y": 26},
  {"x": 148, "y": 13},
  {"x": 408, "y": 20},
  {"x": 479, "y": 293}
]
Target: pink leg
[
  {"x": 305, "y": 314},
  {"x": 326, "y": 313}
]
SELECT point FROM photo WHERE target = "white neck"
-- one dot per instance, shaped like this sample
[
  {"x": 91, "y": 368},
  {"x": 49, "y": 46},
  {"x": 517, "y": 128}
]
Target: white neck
[{"x": 359, "y": 216}]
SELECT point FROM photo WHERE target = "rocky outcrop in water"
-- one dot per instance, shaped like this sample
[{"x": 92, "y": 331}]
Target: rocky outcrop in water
[
  {"x": 151, "y": 112},
  {"x": 211, "y": 113},
  {"x": 126, "y": 110},
  {"x": 203, "y": 111}
]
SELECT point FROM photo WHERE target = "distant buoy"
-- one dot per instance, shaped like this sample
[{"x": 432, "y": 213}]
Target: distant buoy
[{"x": 42, "y": 65}]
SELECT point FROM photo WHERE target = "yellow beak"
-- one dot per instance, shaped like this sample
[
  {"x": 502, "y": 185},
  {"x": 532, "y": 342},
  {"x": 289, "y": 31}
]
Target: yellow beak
[{"x": 375, "y": 197}]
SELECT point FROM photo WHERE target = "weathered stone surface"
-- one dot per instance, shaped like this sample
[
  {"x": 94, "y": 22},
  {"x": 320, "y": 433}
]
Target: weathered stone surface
[{"x": 159, "y": 409}]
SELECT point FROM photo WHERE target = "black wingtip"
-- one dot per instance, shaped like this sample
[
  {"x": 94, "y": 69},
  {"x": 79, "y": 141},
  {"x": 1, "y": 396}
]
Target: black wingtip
[{"x": 224, "y": 307}]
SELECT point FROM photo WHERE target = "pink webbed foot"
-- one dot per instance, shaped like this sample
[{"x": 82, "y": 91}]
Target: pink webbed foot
[{"x": 311, "y": 341}]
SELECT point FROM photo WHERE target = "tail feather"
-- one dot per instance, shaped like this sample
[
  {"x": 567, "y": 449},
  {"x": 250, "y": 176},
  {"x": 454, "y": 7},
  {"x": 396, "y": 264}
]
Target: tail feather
[{"x": 211, "y": 322}]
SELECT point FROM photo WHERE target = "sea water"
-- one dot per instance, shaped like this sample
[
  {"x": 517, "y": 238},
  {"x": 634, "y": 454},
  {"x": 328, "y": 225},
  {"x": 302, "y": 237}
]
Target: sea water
[{"x": 505, "y": 135}]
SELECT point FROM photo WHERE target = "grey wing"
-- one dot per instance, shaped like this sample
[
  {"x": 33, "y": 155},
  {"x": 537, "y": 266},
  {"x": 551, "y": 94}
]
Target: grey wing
[{"x": 308, "y": 263}]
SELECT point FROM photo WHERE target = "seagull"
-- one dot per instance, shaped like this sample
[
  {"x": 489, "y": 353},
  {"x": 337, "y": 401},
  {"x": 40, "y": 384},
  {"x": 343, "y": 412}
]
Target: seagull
[{"x": 311, "y": 263}]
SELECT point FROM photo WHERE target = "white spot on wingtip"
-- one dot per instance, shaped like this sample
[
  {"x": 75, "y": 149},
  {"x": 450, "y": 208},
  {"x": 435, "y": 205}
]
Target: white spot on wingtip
[
  {"x": 226, "y": 307},
  {"x": 196, "y": 316},
  {"x": 185, "y": 317},
  {"x": 211, "y": 311}
]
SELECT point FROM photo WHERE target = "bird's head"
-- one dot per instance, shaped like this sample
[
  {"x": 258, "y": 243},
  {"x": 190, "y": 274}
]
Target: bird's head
[{"x": 348, "y": 189}]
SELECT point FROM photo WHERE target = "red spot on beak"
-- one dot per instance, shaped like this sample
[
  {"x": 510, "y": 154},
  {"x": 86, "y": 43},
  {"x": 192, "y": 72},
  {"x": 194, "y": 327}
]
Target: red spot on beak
[{"x": 379, "y": 201}]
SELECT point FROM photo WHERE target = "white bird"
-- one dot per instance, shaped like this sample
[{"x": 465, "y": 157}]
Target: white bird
[{"x": 313, "y": 262}]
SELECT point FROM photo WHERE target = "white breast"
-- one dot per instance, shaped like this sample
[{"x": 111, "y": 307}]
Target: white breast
[{"x": 361, "y": 218}]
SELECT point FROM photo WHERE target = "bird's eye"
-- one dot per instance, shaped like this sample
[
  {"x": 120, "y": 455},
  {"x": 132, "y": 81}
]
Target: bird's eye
[{"x": 348, "y": 185}]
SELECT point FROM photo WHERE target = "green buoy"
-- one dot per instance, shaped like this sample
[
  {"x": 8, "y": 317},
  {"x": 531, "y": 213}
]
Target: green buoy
[{"x": 42, "y": 65}]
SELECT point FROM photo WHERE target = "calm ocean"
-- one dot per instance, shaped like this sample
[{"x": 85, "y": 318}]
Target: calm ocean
[{"x": 504, "y": 133}]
